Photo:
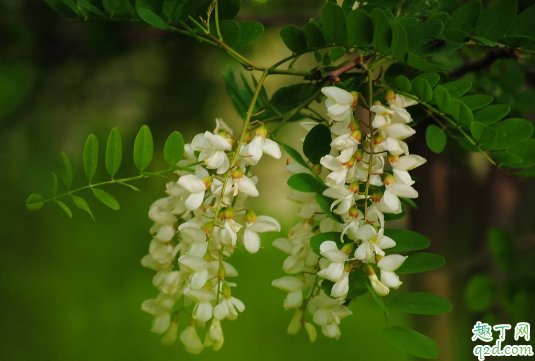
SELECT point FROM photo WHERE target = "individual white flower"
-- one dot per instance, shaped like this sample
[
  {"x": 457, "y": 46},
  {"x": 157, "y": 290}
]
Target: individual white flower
[
  {"x": 243, "y": 184},
  {"x": 295, "y": 322},
  {"x": 311, "y": 331},
  {"x": 198, "y": 267},
  {"x": 294, "y": 286},
  {"x": 169, "y": 338},
  {"x": 227, "y": 233},
  {"x": 400, "y": 100},
  {"x": 395, "y": 188},
  {"x": 253, "y": 151},
  {"x": 193, "y": 236},
  {"x": 337, "y": 258},
  {"x": 215, "y": 335},
  {"x": 340, "y": 170},
  {"x": 327, "y": 313},
  {"x": 191, "y": 340},
  {"x": 255, "y": 225},
  {"x": 196, "y": 188},
  {"x": 160, "y": 308},
  {"x": 228, "y": 308},
  {"x": 307, "y": 200},
  {"x": 212, "y": 148},
  {"x": 388, "y": 265},
  {"x": 202, "y": 311},
  {"x": 373, "y": 242},
  {"x": 161, "y": 252},
  {"x": 378, "y": 286},
  {"x": 402, "y": 165},
  {"x": 339, "y": 103}
]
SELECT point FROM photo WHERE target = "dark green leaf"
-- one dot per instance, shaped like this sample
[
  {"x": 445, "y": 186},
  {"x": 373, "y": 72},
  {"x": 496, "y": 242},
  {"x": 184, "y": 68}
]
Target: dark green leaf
[
  {"x": 114, "y": 152},
  {"x": 432, "y": 78},
  {"x": 525, "y": 150},
  {"x": 528, "y": 173},
  {"x": 421, "y": 262},
  {"x": 294, "y": 39},
  {"x": 287, "y": 98},
  {"x": 82, "y": 204},
  {"x": 249, "y": 31},
  {"x": 524, "y": 23},
  {"x": 304, "y": 182},
  {"x": 359, "y": 28},
  {"x": 90, "y": 7},
  {"x": 143, "y": 148},
  {"x": 482, "y": 133},
  {"x": 422, "y": 64},
  {"x": 35, "y": 202},
  {"x": 382, "y": 32},
  {"x": 325, "y": 205},
  {"x": 509, "y": 132},
  {"x": 407, "y": 240},
  {"x": 475, "y": 102},
  {"x": 400, "y": 44},
  {"x": 173, "y": 150},
  {"x": 421, "y": 35},
  {"x": 151, "y": 18},
  {"x": 66, "y": 173},
  {"x": 378, "y": 299},
  {"x": 295, "y": 155},
  {"x": 464, "y": 18},
  {"x": 66, "y": 209},
  {"x": 313, "y": 36},
  {"x": 420, "y": 303},
  {"x": 54, "y": 184},
  {"x": 442, "y": 98},
  {"x": 491, "y": 114},
  {"x": 231, "y": 32},
  {"x": 358, "y": 281},
  {"x": 435, "y": 138},
  {"x": 106, "y": 198},
  {"x": 422, "y": 89},
  {"x": 461, "y": 113},
  {"x": 317, "y": 143},
  {"x": 334, "y": 24},
  {"x": 479, "y": 294},
  {"x": 120, "y": 7},
  {"x": 495, "y": 22},
  {"x": 318, "y": 239},
  {"x": 90, "y": 156},
  {"x": 411, "y": 342},
  {"x": 457, "y": 88},
  {"x": 403, "y": 83}
]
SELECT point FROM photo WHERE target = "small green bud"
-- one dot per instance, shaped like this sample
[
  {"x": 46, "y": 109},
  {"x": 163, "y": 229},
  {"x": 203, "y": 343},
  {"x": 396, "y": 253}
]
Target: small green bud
[
  {"x": 250, "y": 216},
  {"x": 237, "y": 173},
  {"x": 225, "y": 290},
  {"x": 348, "y": 248},
  {"x": 389, "y": 179},
  {"x": 376, "y": 197},
  {"x": 261, "y": 131},
  {"x": 208, "y": 227},
  {"x": 354, "y": 212}
]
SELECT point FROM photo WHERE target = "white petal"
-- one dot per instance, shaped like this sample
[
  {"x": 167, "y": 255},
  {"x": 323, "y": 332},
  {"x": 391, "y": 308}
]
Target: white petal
[
  {"x": 402, "y": 190},
  {"x": 288, "y": 284},
  {"x": 251, "y": 240},
  {"x": 191, "y": 183},
  {"x": 194, "y": 201},
  {"x": 390, "y": 279},
  {"x": 217, "y": 142},
  {"x": 265, "y": 224},
  {"x": 247, "y": 187},
  {"x": 399, "y": 130},
  {"x": 366, "y": 232},
  {"x": 271, "y": 148},
  {"x": 391, "y": 262},
  {"x": 341, "y": 288},
  {"x": 378, "y": 287},
  {"x": 409, "y": 162},
  {"x": 386, "y": 242},
  {"x": 203, "y": 312},
  {"x": 338, "y": 95}
]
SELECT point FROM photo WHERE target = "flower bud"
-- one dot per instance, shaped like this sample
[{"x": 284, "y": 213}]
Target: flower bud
[
  {"x": 359, "y": 155},
  {"x": 389, "y": 179},
  {"x": 237, "y": 173},
  {"x": 311, "y": 331},
  {"x": 208, "y": 181},
  {"x": 208, "y": 227},
  {"x": 376, "y": 197},
  {"x": 261, "y": 131},
  {"x": 226, "y": 213},
  {"x": 377, "y": 102},
  {"x": 378, "y": 286},
  {"x": 392, "y": 158},
  {"x": 250, "y": 216},
  {"x": 225, "y": 291},
  {"x": 357, "y": 135},
  {"x": 221, "y": 272},
  {"x": 354, "y": 187},
  {"x": 390, "y": 96},
  {"x": 348, "y": 248},
  {"x": 354, "y": 125},
  {"x": 295, "y": 323},
  {"x": 354, "y": 212},
  {"x": 378, "y": 139},
  {"x": 317, "y": 168}
]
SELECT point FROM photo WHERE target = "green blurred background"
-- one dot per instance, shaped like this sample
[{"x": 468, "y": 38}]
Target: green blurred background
[{"x": 72, "y": 289}]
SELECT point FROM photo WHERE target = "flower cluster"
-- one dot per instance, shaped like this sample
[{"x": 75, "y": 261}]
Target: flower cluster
[
  {"x": 366, "y": 176},
  {"x": 196, "y": 227}
]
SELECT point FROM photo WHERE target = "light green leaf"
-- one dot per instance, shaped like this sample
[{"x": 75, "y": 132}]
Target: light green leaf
[
  {"x": 435, "y": 138},
  {"x": 305, "y": 182},
  {"x": 317, "y": 143},
  {"x": 334, "y": 24},
  {"x": 114, "y": 152},
  {"x": 106, "y": 198},
  {"x": 128, "y": 185},
  {"x": 66, "y": 173},
  {"x": 143, "y": 148},
  {"x": 173, "y": 150},
  {"x": 313, "y": 36},
  {"x": 250, "y": 31},
  {"x": 400, "y": 44},
  {"x": 378, "y": 299},
  {"x": 35, "y": 202},
  {"x": 66, "y": 209},
  {"x": 54, "y": 184},
  {"x": 151, "y": 18},
  {"x": 90, "y": 156},
  {"x": 420, "y": 303},
  {"x": 457, "y": 88},
  {"x": 464, "y": 18},
  {"x": 407, "y": 240},
  {"x": 442, "y": 99},
  {"x": 421, "y": 262},
  {"x": 294, "y": 39},
  {"x": 495, "y": 22},
  {"x": 411, "y": 342},
  {"x": 403, "y": 83},
  {"x": 480, "y": 293},
  {"x": 509, "y": 132},
  {"x": 359, "y": 28},
  {"x": 475, "y": 102},
  {"x": 491, "y": 114},
  {"x": 82, "y": 204}
]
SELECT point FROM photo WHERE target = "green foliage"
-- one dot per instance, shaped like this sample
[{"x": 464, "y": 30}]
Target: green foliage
[
  {"x": 421, "y": 262},
  {"x": 317, "y": 143},
  {"x": 294, "y": 39},
  {"x": 106, "y": 198},
  {"x": 407, "y": 240},
  {"x": 480, "y": 293},
  {"x": 435, "y": 138},
  {"x": 420, "y": 303},
  {"x": 91, "y": 156},
  {"x": 412, "y": 342},
  {"x": 114, "y": 152},
  {"x": 143, "y": 148},
  {"x": 173, "y": 150},
  {"x": 304, "y": 182}
]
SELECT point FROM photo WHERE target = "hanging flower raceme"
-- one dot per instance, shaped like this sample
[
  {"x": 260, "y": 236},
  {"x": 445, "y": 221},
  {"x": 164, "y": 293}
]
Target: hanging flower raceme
[
  {"x": 197, "y": 228},
  {"x": 366, "y": 175}
]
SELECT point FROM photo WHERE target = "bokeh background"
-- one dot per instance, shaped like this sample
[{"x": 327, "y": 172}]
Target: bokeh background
[{"x": 72, "y": 289}]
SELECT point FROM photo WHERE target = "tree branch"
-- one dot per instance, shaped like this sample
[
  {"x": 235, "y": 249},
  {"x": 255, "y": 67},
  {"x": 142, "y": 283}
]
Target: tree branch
[{"x": 485, "y": 62}]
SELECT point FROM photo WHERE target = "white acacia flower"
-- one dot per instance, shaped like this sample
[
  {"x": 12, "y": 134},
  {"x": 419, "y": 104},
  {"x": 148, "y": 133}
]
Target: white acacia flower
[
  {"x": 202, "y": 311},
  {"x": 339, "y": 103},
  {"x": 388, "y": 265},
  {"x": 378, "y": 286},
  {"x": 338, "y": 258},
  {"x": 191, "y": 340},
  {"x": 308, "y": 203},
  {"x": 215, "y": 335},
  {"x": 294, "y": 286},
  {"x": 198, "y": 268},
  {"x": 404, "y": 164},
  {"x": 373, "y": 242},
  {"x": 340, "y": 170},
  {"x": 228, "y": 308},
  {"x": 243, "y": 184},
  {"x": 401, "y": 101},
  {"x": 192, "y": 235},
  {"x": 390, "y": 201},
  {"x": 261, "y": 224},
  {"x": 227, "y": 234},
  {"x": 160, "y": 308},
  {"x": 212, "y": 148},
  {"x": 162, "y": 252},
  {"x": 195, "y": 187},
  {"x": 327, "y": 313},
  {"x": 253, "y": 151}
]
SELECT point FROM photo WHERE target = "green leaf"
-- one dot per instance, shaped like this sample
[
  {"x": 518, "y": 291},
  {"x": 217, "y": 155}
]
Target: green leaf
[
  {"x": 294, "y": 39},
  {"x": 66, "y": 173},
  {"x": 524, "y": 23},
  {"x": 457, "y": 88},
  {"x": 82, "y": 204},
  {"x": 479, "y": 294},
  {"x": 325, "y": 205},
  {"x": 334, "y": 24},
  {"x": 420, "y": 303},
  {"x": 287, "y": 98},
  {"x": 422, "y": 89},
  {"x": 35, "y": 202},
  {"x": 151, "y": 18},
  {"x": 400, "y": 43},
  {"x": 464, "y": 18},
  {"x": 495, "y": 22},
  {"x": 250, "y": 31},
  {"x": 114, "y": 152},
  {"x": 461, "y": 113},
  {"x": 382, "y": 33},
  {"x": 422, "y": 64},
  {"x": 475, "y": 102},
  {"x": 407, "y": 240},
  {"x": 411, "y": 342},
  {"x": 502, "y": 248},
  {"x": 240, "y": 98},
  {"x": 421, "y": 262},
  {"x": 509, "y": 132},
  {"x": 143, "y": 148},
  {"x": 483, "y": 41},
  {"x": 435, "y": 138},
  {"x": 66, "y": 209},
  {"x": 403, "y": 83},
  {"x": 305, "y": 182},
  {"x": 432, "y": 78},
  {"x": 359, "y": 28},
  {"x": 54, "y": 184},
  {"x": 231, "y": 32},
  {"x": 358, "y": 281},
  {"x": 173, "y": 150},
  {"x": 491, "y": 114},
  {"x": 528, "y": 173},
  {"x": 318, "y": 239},
  {"x": 313, "y": 36},
  {"x": 421, "y": 34},
  {"x": 317, "y": 143},
  {"x": 118, "y": 7},
  {"x": 334, "y": 54},
  {"x": 525, "y": 150},
  {"x": 482, "y": 133},
  {"x": 295, "y": 155},
  {"x": 90, "y": 156},
  {"x": 90, "y": 7},
  {"x": 106, "y": 198},
  {"x": 442, "y": 99}
]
